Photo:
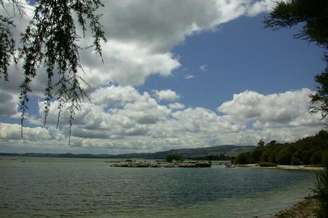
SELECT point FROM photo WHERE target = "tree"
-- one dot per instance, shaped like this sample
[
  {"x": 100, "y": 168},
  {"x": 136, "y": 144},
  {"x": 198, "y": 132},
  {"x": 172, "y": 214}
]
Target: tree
[
  {"x": 320, "y": 99},
  {"x": 7, "y": 45},
  {"x": 51, "y": 40},
  {"x": 243, "y": 158},
  {"x": 312, "y": 16},
  {"x": 261, "y": 143},
  {"x": 284, "y": 156},
  {"x": 174, "y": 157},
  {"x": 316, "y": 158}
]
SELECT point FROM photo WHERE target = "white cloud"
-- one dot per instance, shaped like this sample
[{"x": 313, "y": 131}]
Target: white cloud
[
  {"x": 288, "y": 108},
  {"x": 142, "y": 34},
  {"x": 166, "y": 95},
  {"x": 12, "y": 132},
  {"x": 121, "y": 119},
  {"x": 8, "y": 104},
  {"x": 176, "y": 106},
  {"x": 141, "y": 37},
  {"x": 203, "y": 67},
  {"x": 127, "y": 63},
  {"x": 189, "y": 76}
]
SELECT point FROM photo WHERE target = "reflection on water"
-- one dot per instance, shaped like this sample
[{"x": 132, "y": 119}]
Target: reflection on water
[{"x": 90, "y": 188}]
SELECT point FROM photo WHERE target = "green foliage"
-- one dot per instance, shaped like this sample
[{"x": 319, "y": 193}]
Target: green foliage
[
  {"x": 312, "y": 16},
  {"x": 7, "y": 45},
  {"x": 258, "y": 152},
  {"x": 320, "y": 99},
  {"x": 311, "y": 150},
  {"x": 324, "y": 158},
  {"x": 284, "y": 156},
  {"x": 212, "y": 157},
  {"x": 243, "y": 158},
  {"x": 174, "y": 157},
  {"x": 7, "y": 42},
  {"x": 261, "y": 143},
  {"x": 51, "y": 41},
  {"x": 316, "y": 157},
  {"x": 321, "y": 192}
]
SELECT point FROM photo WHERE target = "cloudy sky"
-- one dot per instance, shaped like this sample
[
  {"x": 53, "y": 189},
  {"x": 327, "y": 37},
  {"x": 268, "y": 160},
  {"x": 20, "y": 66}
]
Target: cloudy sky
[{"x": 177, "y": 74}]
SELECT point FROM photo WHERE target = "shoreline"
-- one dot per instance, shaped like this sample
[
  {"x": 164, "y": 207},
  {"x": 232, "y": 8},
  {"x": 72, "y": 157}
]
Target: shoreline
[
  {"x": 284, "y": 167},
  {"x": 302, "y": 209}
]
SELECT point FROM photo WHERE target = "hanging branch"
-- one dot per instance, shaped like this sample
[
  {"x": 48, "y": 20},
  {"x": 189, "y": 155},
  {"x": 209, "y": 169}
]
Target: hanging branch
[
  {"x": 7, "y": 45},
  {"x": 51, "y": 40}
]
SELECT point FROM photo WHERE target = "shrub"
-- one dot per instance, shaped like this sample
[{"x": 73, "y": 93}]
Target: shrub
[
  {"x": 174, "y": 157},
  {"x": 321, "y": 191},
  {"x": 316, "y": 158}
]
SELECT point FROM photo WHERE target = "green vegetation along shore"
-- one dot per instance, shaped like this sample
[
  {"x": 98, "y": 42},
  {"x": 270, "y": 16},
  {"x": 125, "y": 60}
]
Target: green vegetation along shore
[{"x": 311, "y": 150}]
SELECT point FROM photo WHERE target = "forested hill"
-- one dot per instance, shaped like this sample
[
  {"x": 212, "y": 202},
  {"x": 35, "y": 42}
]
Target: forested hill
[
  {"x": 216, "y": 152},
  {"x": 309, "y": 150}
]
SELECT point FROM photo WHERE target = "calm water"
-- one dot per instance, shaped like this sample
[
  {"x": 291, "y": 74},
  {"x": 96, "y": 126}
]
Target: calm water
[{"x": 47, "y": 187}]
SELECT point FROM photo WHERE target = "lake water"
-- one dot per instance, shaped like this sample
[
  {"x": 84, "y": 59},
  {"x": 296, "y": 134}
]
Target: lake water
[{"x": 53, "y": 187}]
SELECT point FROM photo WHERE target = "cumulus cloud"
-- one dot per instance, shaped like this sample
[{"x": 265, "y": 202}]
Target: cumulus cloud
[
  {"x": 12, "y": 132},
  {"x": 8, "y": 104},
  {"x": 176, "y": 106},
  {"x": 288, "y": 108},
  {"x": 166, "y": 95},
  {"x": 142, "y": 35},
  {"x": 122, "y": 119},
  {"x": 189, "y": 76}
]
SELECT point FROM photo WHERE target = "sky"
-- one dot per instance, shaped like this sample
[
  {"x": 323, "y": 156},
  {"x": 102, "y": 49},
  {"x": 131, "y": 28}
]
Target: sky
[{"x": 176, "y": 74}]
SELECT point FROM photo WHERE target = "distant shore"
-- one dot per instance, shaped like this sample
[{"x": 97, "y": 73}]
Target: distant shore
[
  {"x": 161, "y": 164},
  {"x": 285, "y": 167}
]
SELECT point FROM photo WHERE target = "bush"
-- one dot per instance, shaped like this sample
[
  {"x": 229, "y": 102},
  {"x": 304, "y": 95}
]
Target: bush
[
  {"x": 324, "y": 158},
  {"x": 284, "y": 157},
  {"x": 174, "y": 157},
  {"x": 316, "y": 158},
  {"x": 296, "y": 160},
  {"x": 321, "y": 191},
  {"x": 243, "y": 158}
]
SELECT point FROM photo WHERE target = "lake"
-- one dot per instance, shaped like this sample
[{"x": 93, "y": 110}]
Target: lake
[{"x": 59, "y": 187}]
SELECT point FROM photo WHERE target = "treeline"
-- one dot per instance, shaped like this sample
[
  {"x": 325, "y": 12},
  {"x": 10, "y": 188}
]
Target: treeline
[
  {"x": 180, "y": 157},
  {"x": 212, "y": 157},
  {"x": 311, "y": 150}
]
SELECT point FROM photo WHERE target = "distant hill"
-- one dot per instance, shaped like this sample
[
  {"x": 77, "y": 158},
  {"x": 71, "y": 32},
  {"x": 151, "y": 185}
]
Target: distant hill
[
  {"x": 193, "y": 153},
  {"x": 188, "y": 153}
]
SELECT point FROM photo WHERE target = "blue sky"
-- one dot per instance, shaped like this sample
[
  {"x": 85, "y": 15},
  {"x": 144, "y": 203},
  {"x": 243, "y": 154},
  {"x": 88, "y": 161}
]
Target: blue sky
[
  {"x": 241, "y": 55},
  {"x": 186, "y": 73}
]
